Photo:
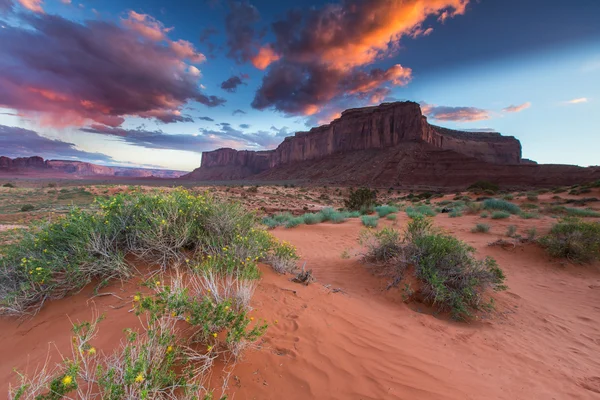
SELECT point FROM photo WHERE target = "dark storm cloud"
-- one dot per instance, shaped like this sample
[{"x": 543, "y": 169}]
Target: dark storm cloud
[
  {"x": 231, "y": 84},
  {"x": 240, "y": 29}
]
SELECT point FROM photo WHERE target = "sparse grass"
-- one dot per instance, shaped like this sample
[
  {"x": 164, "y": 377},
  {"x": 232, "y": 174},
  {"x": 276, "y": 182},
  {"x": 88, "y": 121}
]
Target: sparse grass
[
  {"x": 455, "y": 213},
  {"x": 501, "y": 205},
  {"x": 481, "y": 228},
  {"x": 420, "y": 211},
  {"x": 312, "y": 219},
  {"x": 484, "y": 214},
  {"x": 508, "y": 197},
  {"x": 370, "y": 221},
  {"x": 391, "y": 217},
  {"x": 579, "y": 212},
  {"x": 54, "y": 259},
  {"x": 500, "y": 214},
  {"x": 531, "y": 234},
  {"x": 385, "y": 210},
  {"x": 573, "y": 239},
  {"x": 532, "y": 196},
  {"x": 27, "y": 208},
  {"x": 511, "y": 230},
  {"x": 529, "y": 215}
]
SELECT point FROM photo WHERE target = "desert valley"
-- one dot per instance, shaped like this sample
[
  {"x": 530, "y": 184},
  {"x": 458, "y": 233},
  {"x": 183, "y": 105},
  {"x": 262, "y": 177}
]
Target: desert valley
[
  {"x": 330, "y": 199},
  {"x": 347, "y": 314}
]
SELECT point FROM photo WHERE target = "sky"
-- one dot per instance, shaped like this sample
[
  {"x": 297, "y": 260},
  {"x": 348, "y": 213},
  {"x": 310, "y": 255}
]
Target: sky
[{"x": 155, "y": 83}]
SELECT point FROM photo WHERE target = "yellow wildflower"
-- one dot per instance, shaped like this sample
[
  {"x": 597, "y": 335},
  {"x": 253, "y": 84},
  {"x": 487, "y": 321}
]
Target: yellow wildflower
[
  {"x": 209, "y": 348},
  {"x": 157, "y": 283},
  {"x": 251, "y": 318},
  {"x": 215, "y": 334},
  {"x": 139, "y": 378},
  {"x": 136, "y": 298},
  {"x": 92, "y": 351},
  {"x": 169, "y": 349},
  {"x": 67, "y": 380}
]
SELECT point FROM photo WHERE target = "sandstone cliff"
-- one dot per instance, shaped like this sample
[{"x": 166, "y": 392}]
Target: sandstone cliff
[
  {"x": 388, "y": 145},
  {"x": 37, "y": 165}
]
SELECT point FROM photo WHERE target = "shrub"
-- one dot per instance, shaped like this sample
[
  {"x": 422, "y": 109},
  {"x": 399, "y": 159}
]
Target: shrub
[
  {"x": 502, "y": 205},
  {"x": 484, "y": 215},
  {"x": 9, "y": 185},
  {"x": 528, "y": 215},
  {"x": 391, "y": 217},
  {"x": 354, "y": 214},
  {"x": 338, "y": 217},
  {"x": 451, "y": 279},
  {"x": 511, "y": 231},
  {"x": 473, "y": 208},
  {"x": 420, "y": 211},
  {"x": 573, "y": 239},
  {"x": 508, "y": 197},
  {"x": 531, "y": 234},
  {"x": 481, "y": 228},
  {"x": 360, "y": 198},
  {"x": 54, "y": 259},
  {"x": 27, "y": 207},
  {"x": 252, "y": 189},
  {"x": 311, "y": 219},
  {"x": 455, "y": 213},
  {"x": 484, "y": 185},
  {"x": 532, "y": 196},
  {"x": 294, "y": 222},
  {"x": 383, "y": 211},
  {"x": 500, "y": 214},
  {"x": 369, "y": 221},
  {"x": 579, "y": 212},
  {"x": 282, "y": 218},
  {"x": 327, "y": 214},
  {"x": 271, "y": 223}
]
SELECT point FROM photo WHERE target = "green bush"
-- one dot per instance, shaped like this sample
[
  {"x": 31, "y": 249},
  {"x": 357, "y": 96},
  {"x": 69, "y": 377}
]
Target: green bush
[
  {"x": 54, "y": 259},
  {"x": 528, "y": 215},
  {"x": 484, "y": 215},
  {"x": 294, "y": 222},
  {"x": 383, "y": 211},
  {"x": 354, "y": 214},
  {"x": 481, "y": 228},
  {"x": 508, "y": 197},
  {"x": 500, "y": 214},
  {"x": 327, "y": 214},
  {"x": 27, "y": 207},
  {"x": 338, "y": 217},
  {"x": 311, "y": 219},
  {"x": 579, "y": 212},
  {"x": 420, "y": 211},
  {"x": 271, "y": 223},
  {"x": 532, "y": 196},
  {"x": 451, "y": 279},
  {"x": 360, "y": 198},
  {"x": 501, "y": 205},
  {"x": 369, "y": 221},
  {"x": 573, "y": 239},
  {"x": 391, "y": 217},
  {"x": 455, "y": 213}
]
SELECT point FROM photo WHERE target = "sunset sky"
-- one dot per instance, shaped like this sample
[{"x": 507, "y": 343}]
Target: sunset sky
[{"x": 155, "y": 83}]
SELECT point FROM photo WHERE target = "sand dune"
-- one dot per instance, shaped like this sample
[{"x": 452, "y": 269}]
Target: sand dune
[{"x": 363, "y": 342}]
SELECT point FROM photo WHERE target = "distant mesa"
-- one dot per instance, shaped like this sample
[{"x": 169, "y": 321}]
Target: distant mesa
[
  {"x": 37, "y": 166},
  {"x": 390, "y": 145}
]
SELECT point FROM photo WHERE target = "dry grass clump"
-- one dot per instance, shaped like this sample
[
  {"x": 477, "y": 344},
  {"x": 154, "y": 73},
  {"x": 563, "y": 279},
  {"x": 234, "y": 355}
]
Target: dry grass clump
[
  {"x": 573, "y": 239},
  {"x": 451, "y": 278},
  {"x": 54, "y": 259},
  {"x": 188, "y": 325}
]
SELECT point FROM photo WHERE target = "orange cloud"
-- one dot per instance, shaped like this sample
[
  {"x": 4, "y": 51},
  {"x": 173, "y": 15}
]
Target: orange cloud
[
  {"x": 186, "y": 50},
  {"x": 145, "y": 25},
  {"x": 458, "y": 114},
  {"x": 346, "y": 37},
  {"x": 32, "y": 5},
  {"x": 266, "y": 55},
  {"x": 517, "y": 108},
  {"x": 578, "y": 100}
]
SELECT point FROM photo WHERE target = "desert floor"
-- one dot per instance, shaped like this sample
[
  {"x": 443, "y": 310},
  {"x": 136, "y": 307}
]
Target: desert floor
[{"x": 347, "y": 336}]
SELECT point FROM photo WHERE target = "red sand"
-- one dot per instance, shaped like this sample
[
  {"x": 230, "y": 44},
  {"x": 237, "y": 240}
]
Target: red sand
[{"x": 542, "y": 342}]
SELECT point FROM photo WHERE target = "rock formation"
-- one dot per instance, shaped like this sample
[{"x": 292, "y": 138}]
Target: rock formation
[
  {"x": 388, "y": 145},
  {"x": 37, "y": 165}
]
